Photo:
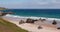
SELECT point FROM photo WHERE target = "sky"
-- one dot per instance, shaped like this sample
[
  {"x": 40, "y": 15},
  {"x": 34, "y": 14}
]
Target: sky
[{"x": 30, "y": 4}]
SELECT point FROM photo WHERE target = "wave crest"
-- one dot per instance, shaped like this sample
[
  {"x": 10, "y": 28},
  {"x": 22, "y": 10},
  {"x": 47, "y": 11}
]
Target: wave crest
[{"x": 32, "y": 17}]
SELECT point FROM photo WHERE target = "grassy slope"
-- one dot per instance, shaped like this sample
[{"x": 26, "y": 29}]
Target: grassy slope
[{"x": 6, "y": 26}]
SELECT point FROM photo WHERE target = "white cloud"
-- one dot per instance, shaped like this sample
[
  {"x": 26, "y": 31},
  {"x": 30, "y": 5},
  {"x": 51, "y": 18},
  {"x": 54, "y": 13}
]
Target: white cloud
[{"x": 32, "y": 4}]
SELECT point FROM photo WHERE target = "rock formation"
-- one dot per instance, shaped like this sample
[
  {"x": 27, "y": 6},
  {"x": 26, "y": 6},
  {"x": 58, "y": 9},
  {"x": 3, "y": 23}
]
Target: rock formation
[
  {"x": 30, "y": 20},
  {"x": 21, "y": 22},
  {"x": 58, "y": 28},
  {"x": 39, "y": 27},
  {"x": 54, "y": 22}
]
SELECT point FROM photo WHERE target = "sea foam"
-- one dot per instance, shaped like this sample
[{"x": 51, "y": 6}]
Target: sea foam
[{"x": 32, "y": 17}]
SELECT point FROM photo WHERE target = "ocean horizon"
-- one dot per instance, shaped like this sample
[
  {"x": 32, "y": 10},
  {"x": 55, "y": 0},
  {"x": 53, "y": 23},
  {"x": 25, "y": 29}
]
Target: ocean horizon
[{"x": 47, "y": 13}]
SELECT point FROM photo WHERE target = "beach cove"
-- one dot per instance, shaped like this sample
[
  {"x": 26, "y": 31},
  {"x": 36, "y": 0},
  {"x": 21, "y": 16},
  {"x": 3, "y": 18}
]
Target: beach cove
[{"x": 46, "y": 25}]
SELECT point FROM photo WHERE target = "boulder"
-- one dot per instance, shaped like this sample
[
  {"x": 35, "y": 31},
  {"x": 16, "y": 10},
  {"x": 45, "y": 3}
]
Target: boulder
[
  {"x": 43, "y": 20},
  {"x": 39, "y": 27},
  {"x": 58, "y": 28},
  {"x": 30, "y": 20},
  {"x": 54, "y": 22},
  {"x": 21, "y": 22}
]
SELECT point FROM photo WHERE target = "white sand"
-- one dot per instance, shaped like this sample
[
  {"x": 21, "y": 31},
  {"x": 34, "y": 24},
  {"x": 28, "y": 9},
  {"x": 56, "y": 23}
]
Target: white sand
[{"x": 33, "y": 27}]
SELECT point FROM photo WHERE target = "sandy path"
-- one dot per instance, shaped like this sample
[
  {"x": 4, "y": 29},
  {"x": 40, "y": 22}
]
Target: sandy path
[{"x": 33, "y": 27}]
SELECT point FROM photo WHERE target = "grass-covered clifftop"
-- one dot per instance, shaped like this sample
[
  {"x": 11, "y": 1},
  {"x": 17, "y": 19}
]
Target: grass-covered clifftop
[{"x": 6, "y": 26}]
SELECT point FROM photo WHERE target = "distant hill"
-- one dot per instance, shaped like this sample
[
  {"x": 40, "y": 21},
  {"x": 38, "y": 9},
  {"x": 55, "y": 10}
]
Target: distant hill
[
  {"x": 6, "y": 26},
  {"x": 2, "y": 8}
]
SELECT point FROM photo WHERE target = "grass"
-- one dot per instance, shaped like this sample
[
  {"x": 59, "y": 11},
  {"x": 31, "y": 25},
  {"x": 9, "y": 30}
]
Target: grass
[{"x": 6, "y": 26}]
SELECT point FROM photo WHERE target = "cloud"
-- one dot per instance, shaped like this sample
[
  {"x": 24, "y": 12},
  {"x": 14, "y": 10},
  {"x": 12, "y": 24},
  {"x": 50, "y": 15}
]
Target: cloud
[{"x": 31, "y": 4}]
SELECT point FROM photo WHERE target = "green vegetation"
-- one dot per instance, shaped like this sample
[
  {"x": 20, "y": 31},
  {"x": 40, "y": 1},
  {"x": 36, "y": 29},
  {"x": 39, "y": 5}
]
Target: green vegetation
[{"x": 6, "y": 26}]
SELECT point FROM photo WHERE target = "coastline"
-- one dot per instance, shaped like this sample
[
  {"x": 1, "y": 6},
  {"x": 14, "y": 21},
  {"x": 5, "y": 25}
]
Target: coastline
[
  {"x": 32, "y": 27},
  {"x": 18, "y": 18},
  {"x": 32, "y": 17}
]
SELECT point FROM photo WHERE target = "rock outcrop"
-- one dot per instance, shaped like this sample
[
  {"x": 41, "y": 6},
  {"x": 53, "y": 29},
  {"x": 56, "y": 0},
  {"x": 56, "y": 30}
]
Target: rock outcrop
[{"x": 30, "y": 20}]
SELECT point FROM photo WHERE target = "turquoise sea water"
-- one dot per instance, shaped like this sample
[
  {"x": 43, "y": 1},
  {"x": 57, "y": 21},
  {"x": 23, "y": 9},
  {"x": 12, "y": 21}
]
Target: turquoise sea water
[{"x": 50, "y": 13}]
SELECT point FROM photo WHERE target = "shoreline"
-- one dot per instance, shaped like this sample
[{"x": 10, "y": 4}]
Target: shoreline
[
  {"x": 18, "y": 18},
  {"x": 32, "y": 17},
  {"x": 32, "y": 27}
]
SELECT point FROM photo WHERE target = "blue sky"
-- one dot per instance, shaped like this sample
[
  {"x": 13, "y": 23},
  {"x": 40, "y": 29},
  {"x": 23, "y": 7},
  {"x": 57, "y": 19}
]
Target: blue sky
[{"x": 30, "y": 4}]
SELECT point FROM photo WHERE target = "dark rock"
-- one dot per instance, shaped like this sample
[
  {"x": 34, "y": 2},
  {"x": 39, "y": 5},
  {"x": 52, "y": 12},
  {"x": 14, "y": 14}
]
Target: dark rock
[
  {"x": 30, "y": 20},
  {"x": 36, "y": 20},
  {"x": 39, "y": 27},
  {"x": 21, "y": 22},
  {"x": 54, "y": 22},
  {"x": 4, "y": 13},
  {"x": 58, "y": 28},
  {"x": 43, "y": 20}
]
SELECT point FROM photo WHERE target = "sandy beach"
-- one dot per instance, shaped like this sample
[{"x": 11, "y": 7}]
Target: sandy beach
[{"x": 33, "y": 27}]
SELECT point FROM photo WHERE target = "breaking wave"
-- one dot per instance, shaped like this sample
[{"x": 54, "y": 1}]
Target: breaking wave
[{"x": 32, "y": 17}]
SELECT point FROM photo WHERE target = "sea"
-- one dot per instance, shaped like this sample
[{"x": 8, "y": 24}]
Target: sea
[{"x": 35, "y": 13}]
